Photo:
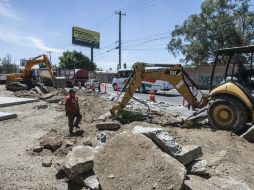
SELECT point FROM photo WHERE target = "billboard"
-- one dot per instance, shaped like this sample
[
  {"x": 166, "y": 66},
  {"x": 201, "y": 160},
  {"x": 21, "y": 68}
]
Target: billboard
[{"x": 84, "y": 37}]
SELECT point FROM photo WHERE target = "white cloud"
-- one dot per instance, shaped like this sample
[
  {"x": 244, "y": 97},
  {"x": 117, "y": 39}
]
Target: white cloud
[
  {"x": 6, "y": 12},
  {"x": 26, "y": 40}
]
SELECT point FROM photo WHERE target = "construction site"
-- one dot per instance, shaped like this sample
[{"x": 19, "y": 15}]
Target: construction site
[
  {"x": 125, "y": 142},
  {"x": 174, "y": 111}
]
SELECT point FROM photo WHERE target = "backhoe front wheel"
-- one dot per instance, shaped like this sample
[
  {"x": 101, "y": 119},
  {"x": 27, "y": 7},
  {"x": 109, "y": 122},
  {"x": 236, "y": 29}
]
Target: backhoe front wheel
[{"x": 227, "y": 113}]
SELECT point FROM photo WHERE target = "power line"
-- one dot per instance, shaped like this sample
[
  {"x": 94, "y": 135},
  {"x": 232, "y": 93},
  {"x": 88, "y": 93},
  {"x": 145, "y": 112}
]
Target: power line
[
  {"x": 155, "y": 39},
  {"x": 144, "y": 38}
]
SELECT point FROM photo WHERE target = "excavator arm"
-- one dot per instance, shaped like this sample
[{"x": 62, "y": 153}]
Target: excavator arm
[
  {"x": 174, "y": 74},
  {"x": 35, "y": 61}
]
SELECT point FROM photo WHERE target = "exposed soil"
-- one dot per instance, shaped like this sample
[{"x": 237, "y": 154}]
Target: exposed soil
[{"x": 229, "y": 156}]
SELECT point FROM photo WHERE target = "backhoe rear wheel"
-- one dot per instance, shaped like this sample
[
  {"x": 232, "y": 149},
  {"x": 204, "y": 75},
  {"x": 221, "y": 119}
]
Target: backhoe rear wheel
[{"x": 227, "y": 113}]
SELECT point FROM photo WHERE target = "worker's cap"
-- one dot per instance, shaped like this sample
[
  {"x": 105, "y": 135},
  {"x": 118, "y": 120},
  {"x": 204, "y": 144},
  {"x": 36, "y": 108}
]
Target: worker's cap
[{"x": 72, "y": 90}]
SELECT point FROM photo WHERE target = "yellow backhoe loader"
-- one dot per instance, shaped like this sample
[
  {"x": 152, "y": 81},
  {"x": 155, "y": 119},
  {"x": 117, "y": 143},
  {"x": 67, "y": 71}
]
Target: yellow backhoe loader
[
  {"x": 229, "y": 104},
  {"x": 23, "y": 81}
]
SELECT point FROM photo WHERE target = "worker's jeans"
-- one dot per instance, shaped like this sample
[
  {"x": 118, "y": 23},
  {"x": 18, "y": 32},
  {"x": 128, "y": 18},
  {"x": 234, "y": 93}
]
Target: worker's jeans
[{"x": 71, "y": 117}]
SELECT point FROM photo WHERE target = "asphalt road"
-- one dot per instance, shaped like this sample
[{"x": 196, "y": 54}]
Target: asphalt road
[{"x": 172, "y": 97}]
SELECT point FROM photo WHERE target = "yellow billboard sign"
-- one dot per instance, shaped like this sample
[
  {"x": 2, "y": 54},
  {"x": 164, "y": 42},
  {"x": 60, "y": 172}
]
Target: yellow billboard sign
[{"x": 84, "y": 37}]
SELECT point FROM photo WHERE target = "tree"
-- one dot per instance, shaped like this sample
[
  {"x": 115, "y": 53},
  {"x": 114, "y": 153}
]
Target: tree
[
  {"x": 6, "y": 66},
  {"x": 221, "y": 24},
  {"x": 76, "y": 60}
]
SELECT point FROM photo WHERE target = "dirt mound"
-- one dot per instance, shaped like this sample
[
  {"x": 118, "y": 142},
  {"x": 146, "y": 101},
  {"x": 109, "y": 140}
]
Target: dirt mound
[{"x": 138, "y": 164}]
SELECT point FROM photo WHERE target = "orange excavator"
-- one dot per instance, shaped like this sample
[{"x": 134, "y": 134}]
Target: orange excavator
[{"x": 24, "y": 81}]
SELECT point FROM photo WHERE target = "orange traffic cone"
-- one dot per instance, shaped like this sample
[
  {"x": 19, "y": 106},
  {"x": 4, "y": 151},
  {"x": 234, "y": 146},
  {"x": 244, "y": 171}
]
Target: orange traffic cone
[{"x": 152, "y": 95}]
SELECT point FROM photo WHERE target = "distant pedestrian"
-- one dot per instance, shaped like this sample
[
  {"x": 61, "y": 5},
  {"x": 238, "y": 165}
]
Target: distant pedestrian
[
  {"x": 72, "y": 110},
  {"x": 99, "y": 86}
]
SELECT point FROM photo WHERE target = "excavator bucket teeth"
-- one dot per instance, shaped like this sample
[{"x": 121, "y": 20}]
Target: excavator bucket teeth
[{"x": 196, "y": 117}]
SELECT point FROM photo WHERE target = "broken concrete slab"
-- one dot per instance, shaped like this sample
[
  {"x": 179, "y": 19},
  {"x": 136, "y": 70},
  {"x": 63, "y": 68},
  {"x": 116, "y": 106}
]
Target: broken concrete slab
[
  {"x": 188, "y": 154},
  {"x": 166, "y": 143},
  {"x": 5, "y": 115},
  {"x": 79, "y": 160},
  {"x": 197, "y": 167},
  {"x": 249, "y": 134},
  {"x": 9, "y": 101},
  {"x": 108, "y": 126},
  {"x": 135, "y": 161},
  {"x": 46, "y": 96},
  {"x": 38, "y": 90},
  {"x": 162, "y": 138}
]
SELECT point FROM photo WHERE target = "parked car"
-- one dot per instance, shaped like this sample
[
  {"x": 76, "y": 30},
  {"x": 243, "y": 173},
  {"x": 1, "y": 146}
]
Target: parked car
[{"x": 92, "y": 82}]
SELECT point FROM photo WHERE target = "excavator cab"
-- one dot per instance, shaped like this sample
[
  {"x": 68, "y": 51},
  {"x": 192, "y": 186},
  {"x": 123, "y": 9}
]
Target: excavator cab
[{"x": 231, "y": 100}]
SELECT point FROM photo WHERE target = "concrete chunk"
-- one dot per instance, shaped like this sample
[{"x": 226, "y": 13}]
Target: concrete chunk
[
  {"x": 9, "y": 101},
  {"x": 79, "y": 160},
  {"x": 249, "y": 135},
  {"x": 108, "y": 126},
  {"x": 198, "y": 167},
  {"x": 188, "y": 154},
  {"x": 5, "y": 116},
  {"x": 162, "y": 138}
]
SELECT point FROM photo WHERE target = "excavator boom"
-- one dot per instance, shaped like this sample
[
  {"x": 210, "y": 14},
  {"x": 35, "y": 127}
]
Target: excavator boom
[{"x": 174, "y": 74}]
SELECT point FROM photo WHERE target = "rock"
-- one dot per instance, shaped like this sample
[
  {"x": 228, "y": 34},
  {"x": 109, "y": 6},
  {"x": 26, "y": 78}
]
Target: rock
[
  {"x": 145, "y": 130},
  {"x": 52, "y": 143},
  {"x": 215, "y": 183},
  {"x": 37, "y": 148},
  {"x": 62, "y": 186},
  {"x": 166, "y": 143},
  {"x": 88, "y": 180},
  {"x": 105, "y": 116},
  {"x": 111, "y": 176},
  {"x": 68, "y": 143},
  {"x": 188, "y": 154},
  {"x": 59, "y": 165},
  {"x": 55, "y": 100},
  {"x": 46, "y": 96},
  {"x": 249, "y": 134},
  {"x": 136, "y": 163},
  {"x": 92, "y": 182},
  {"x": 47, "y": 162},
  {"x": 88, "y": 143},
  {"x": 198, "y": 167},
  {"x": 103, "y": 136},
  {"x": 108, "y": 126},
  {"x": 79, "y": 160},
  {"x": 162, "y": 138}
]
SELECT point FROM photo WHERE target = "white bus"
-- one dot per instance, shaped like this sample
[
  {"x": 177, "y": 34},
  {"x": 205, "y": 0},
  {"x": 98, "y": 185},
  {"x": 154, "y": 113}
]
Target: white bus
[{"x": 123, "y": 74}]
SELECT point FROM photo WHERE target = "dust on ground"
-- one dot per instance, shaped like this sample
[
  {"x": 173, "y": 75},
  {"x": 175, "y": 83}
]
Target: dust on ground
[{"x": 229, "y": 156}]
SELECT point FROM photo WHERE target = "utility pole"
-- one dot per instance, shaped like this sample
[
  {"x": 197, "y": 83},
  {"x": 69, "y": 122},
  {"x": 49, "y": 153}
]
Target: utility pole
[
  {"x": 119, "y": 41},
  {"x": 49, "y": 52}
]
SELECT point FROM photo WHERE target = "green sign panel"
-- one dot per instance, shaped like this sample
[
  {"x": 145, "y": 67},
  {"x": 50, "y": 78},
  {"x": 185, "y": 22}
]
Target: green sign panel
[{"x": 84, "y": 37}]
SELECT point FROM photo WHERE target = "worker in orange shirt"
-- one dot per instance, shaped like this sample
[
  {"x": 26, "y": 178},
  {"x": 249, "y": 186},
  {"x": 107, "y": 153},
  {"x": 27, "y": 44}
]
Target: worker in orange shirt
[{"x": 72, "y": 110}]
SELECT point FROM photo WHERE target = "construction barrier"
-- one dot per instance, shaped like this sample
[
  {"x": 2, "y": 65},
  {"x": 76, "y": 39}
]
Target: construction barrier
[{"x": 152, "y": 95}]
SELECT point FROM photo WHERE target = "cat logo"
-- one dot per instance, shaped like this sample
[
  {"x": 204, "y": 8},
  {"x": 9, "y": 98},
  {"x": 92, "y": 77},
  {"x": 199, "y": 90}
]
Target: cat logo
[{"x": 172, "y": 72}]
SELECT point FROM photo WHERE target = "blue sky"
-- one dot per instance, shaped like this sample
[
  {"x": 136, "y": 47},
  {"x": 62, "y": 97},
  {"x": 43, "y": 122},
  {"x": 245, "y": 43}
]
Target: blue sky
[{"x": 31, "y": 27}]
